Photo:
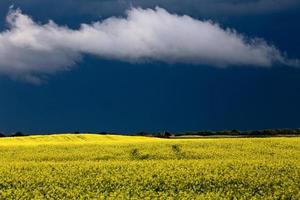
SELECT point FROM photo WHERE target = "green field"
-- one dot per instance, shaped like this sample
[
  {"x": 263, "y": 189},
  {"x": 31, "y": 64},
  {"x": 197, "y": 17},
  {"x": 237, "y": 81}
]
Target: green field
[{"x": 124, "y": 167}]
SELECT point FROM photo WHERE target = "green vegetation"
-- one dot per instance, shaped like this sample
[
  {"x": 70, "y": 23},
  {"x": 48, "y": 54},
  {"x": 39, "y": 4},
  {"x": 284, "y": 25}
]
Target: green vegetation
[
  {"x": 207, "y": 133},
  {"x": 122, "y": 167}
]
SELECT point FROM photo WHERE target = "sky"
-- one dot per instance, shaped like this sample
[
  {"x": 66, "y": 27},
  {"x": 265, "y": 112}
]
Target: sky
[{"x": 130, "y": 66}]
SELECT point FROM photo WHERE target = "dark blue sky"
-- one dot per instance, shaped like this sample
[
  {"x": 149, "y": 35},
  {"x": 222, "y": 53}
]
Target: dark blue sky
[{"x": 111, "y": 95}]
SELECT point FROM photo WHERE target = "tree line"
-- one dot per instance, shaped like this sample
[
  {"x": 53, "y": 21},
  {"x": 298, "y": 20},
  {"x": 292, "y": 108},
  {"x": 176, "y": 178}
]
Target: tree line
[
  {"x": 249, "y": 133},
  {"x": 16, "y": 134},
  {"x": 168, "y": 134}
]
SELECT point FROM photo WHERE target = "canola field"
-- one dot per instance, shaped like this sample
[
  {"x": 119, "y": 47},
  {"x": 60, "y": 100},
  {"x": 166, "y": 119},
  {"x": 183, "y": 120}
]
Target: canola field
[{"x": 125, "y": 167}]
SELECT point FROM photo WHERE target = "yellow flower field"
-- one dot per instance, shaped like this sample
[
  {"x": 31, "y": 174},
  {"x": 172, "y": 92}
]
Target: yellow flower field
[{"x": 87, "y": 166}]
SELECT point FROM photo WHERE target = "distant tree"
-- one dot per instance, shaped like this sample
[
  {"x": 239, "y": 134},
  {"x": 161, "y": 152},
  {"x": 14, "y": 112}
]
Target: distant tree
[
  {"x": 269, "y": 132},
  {"x": 207, "y": 133},
  {"x": 297, "y": 131},
  {"x": 225, "y": 132},
  {"x": 285, "y": 131},
  {"x": 165, "y": 134},
  {"x": 190, "y": 133},
  {"x": 76, "y": 132},
  {"x": 2, "y": 135},
  {"x": 235, "y": 132},
  {"x": 254, "y": 133},
  {"x": 18, "y": 134},
  {"x": 102, "y": 133},
  {"x": 143, "y": 134}
]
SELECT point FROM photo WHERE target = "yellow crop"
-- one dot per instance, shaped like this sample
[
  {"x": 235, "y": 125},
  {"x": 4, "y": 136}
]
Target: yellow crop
[{"x": 125, "y": 167}]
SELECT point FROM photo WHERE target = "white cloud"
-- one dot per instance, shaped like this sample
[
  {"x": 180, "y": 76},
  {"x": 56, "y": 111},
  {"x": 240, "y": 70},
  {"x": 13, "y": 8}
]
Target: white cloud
[{"x": 29, "y": 50}]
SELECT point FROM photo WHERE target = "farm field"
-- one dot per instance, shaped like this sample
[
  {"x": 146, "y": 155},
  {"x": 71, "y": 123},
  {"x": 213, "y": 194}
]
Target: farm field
[{"x": 87, "y": 166}]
